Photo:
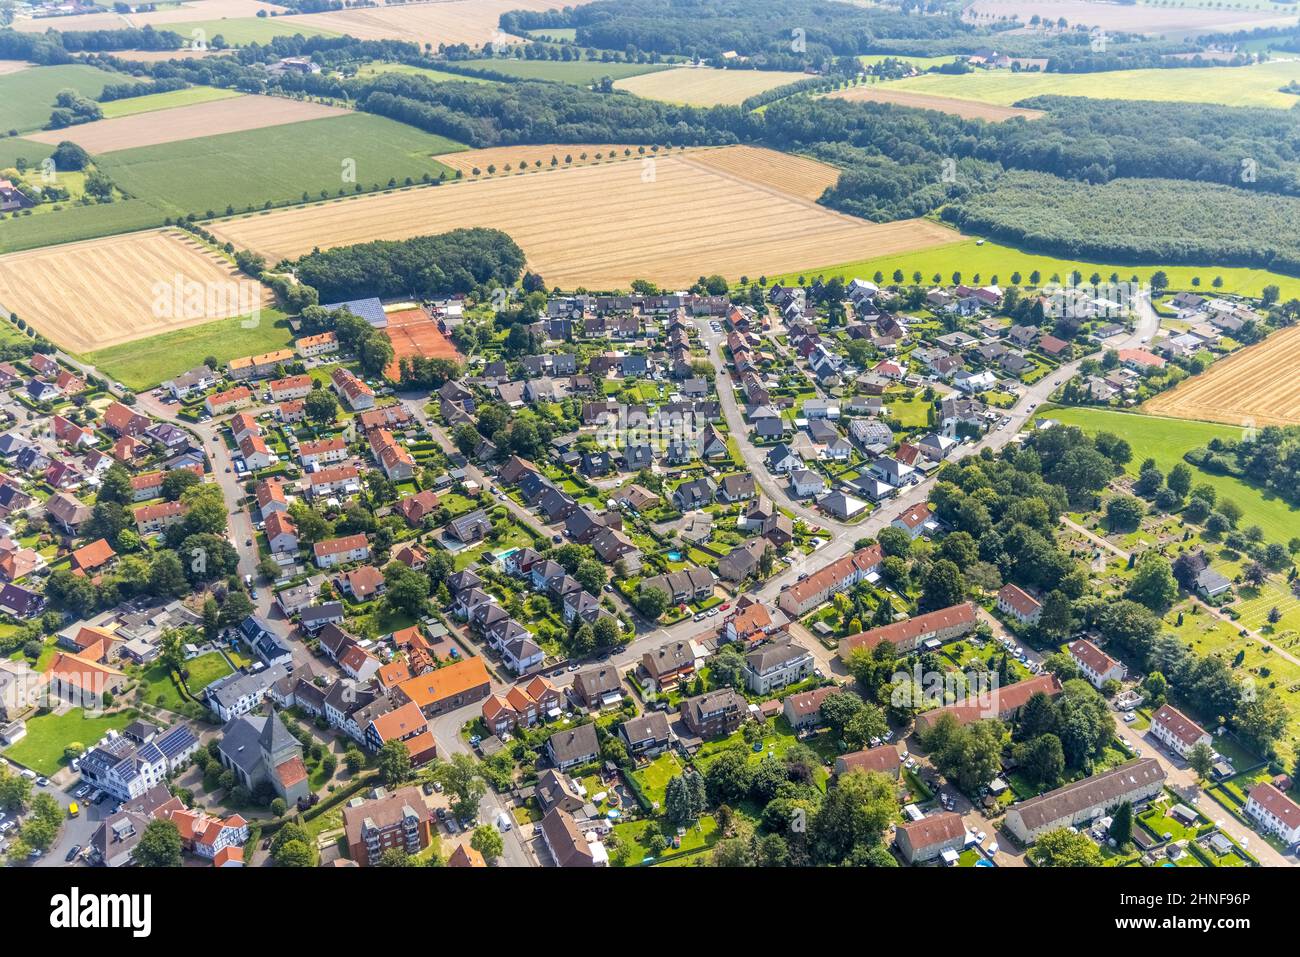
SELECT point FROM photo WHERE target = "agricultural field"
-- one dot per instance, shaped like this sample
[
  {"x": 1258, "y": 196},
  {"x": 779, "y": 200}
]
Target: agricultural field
[
  {"x": 473, "y": 22},
  {"x": 920, "y": 62},
  {"x": 1172, "y": 19},
  {"x": 786, "y": 172},
  {"x": 967, "y": 109},
  {"x": 564, "y": 154},
  {"x": 436, "y": 76},
  {"x": 276, "y": 164},
  {"x": 1255, "y": 85},
  {"x": 165, "y": 14},
  {"x": 241, "y": 31},
  {"x": 27, "y": 97},
  {"x": 76, "y": 223},
  {"x": 200, "y": 119},
  {"x": 993, "y": 259},
  {"x": 577, "y": 72},
  {"x": 144, "y": 363},
  {"x": 619, "y": 225},
  {"x": 13, "y": 66},
  {"x": 1249, "y": 387},
  {"x": 87, "y": 296},
  {"x": 1166, "y": 441},
  {"x": 165, "y": 101},
  {"x": 702, "y": 86}
]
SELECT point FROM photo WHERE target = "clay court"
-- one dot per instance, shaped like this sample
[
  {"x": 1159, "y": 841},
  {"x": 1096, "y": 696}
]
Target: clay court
[
  {"x": 103, "y": 292},
  {"x": 229, "y": 115},
  {"x": 603, "y": 226},
  {"x": 413, "y": 333},
  {"x": 1256, "y": 386},
  {"x": 966, "y": 109}
]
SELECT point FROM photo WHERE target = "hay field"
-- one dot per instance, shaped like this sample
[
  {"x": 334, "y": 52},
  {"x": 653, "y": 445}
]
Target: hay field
[
  {"x": 469, "y": 160},
  {"x": 443, "y": 21},
  {"x": 230, "y": 115},
  {"x": 1257, "y": 385},
  {"x": 786, "y": 172},
  {"x": 160, "y": 56},
  {"x": 966, "y": 109},
  {"x": 602, "y": 226},
  {"x": 1255, "y": 85},
  {"x": 1139, "y": 17},
  {"x": 90, "y": 295},
  {"x": 702, "y": 86}
]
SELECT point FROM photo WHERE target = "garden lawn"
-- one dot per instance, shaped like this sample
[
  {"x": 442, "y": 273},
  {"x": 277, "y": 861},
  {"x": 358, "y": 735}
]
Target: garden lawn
[
  {"x": 635, "y": 837},
  {"x": 203, "y": 670},
  {"x": 655, "y": 776},
  {"x": 48, "y": 734}
]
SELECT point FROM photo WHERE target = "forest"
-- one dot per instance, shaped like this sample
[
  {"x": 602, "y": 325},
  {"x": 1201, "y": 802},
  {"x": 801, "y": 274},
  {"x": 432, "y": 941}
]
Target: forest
[
  {"x": 1136, "y": 220},
  {"x": 422, "y": 267}
]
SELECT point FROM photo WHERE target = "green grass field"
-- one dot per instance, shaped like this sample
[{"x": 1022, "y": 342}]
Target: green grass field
[
  {"x": 12, "y": 150},
  {"x": 577, "y": 72},
  {"x": 165, "y": 101},
  {"x": 437, "y": 76},
  {"x": 1255, "y": 85},
  {"x": 74, "y": 223},
  {"x": 992, "y": 259},
  {"x": 1165, "y": 440},
  {"x": 27, "y": 97},
  {"x": 920, "y": 62},
  {"x": 554, "y": 33},
  {"x": 241, "y": 31},
  {"x": 278, "y": 163},
  {"x": 145, "y": 363},
  {"x": 48, "y": 734},
  {"x": 203, "y": 670}
]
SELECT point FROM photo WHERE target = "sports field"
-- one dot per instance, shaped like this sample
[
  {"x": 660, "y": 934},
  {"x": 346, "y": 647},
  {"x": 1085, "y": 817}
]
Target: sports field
[
  {"x": 27, "y": 97},
  {"x": 600, "y": 226},
  {"x": 276, "y": 164},
  {"x": 702, "y": 86},
  {"x": 967, "y": 109},
  {"x": 992, "y": 260},
  {"x": 143, "y": 364},
  {"x": 165, "y": 101},
  {"x": 87, "y": 296},
  {"x": 1256, "y": 386},
  {"x": 578, "y": 72},
  {"x": 204, "y": 118},
  {"x": 1255, "y": 85},
  {"x": 413, "y": 333},
  {"x": 1166, "y": 441}
]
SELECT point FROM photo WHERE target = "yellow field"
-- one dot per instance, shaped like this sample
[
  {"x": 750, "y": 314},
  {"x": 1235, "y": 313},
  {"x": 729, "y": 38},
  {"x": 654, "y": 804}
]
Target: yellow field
[
  {"x": 966, "y": 109},
  {"x": 185, "y": 13},
  {"x": 444, "y": 21},
  {"x": 12, "y": 66},
  {"x": 187, "y": 122},
  {"x": 786, "y": 172},
  {"x": 499, "y": 156},
  {"x": 1256, "y": 386},
  {"x": 87, "y": 296},
  {"x": 702, "y": 86},
  {"x": 602, "y": 226}
]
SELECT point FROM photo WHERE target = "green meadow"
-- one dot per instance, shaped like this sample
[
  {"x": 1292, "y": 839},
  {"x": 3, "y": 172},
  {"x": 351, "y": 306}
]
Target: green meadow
[
  {"x": 27, "y": 97},
  {"x": 165, "y": 101},
  {"x": 578, "y": 72}
]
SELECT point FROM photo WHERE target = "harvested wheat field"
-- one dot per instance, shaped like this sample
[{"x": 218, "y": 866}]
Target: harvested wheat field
[
  {"x": 602, "y": 226},
  {"x": 413, "y": 333},
  {"x": 1257, "y": 385},
  {"x": 231, "y": 115},
  {"x": 966, "y": 109},
  {"x": 576, "y": 154},
  {"x": 185, "y": 13},
  {"x": 12, "y": 66},
  {"x": 704, "y": 86},
  {"x": 443, "y": 21},
  {"x": 797, "y": 175},
  {"x": 87, "y": 296},
  {"x": 159, "y": 56}
]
